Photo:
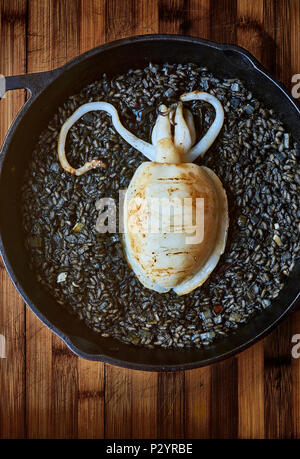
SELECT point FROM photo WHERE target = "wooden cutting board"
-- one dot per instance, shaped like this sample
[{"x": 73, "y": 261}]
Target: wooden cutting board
[{"x": 45, "y": 390}]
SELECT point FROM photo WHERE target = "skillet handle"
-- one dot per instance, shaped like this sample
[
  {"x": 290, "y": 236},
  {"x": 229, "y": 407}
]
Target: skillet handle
[{"x": 34, "y": 82}]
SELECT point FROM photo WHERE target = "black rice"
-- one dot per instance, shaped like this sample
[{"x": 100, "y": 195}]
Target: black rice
[{"x": 258, "y": 163}]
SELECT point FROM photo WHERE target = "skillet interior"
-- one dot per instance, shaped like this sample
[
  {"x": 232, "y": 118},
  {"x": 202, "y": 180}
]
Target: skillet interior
[{"x": 116, "y": 58}]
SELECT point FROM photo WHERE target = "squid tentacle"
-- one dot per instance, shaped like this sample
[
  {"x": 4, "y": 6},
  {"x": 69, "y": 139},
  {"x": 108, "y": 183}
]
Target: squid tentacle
[
  {"x": 166, "y": 147},
  {"x": 147, "y": 149},
  {"x": 162, "y": 138},
  {"x": 162, "y": 127},
  {"x": 203, "y": 145},
  {"x": 184, "y": 130},
  {"x": 189, "y": 119}
]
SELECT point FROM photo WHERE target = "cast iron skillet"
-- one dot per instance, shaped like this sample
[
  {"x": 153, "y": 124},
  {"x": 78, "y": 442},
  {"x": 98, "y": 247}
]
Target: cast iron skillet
[{"x": 48, "y": 90}]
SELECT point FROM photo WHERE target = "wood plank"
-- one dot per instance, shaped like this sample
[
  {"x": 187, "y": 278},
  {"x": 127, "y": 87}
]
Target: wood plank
[
  {"x": 187, "y": 18},
  {"x": 295, "y": 69},
  {"x": 12, "y": 368},
  {"x": 120, "y": 19},
  {"x": 130, "y": 396},
  {"x": 296, "y": 380},
  {"x": 224, "y": 399},
  {"x": 90, "y": 399},
  {"x": 294, "y": 36},
  {"x": 223, "y": 378},
  {"x": 197, "y": 382},
  {"x": 173, "y": 18},
  {"x": 133, "y": 17},
  {"x": 251, "y": 392},
  {"x": 38, "y": 378},
  {"x": 91, "y": 374},
  {"x": 38, "y": 337},
  {"x": 250, "y": 26},
  {"x": 171, "y": 405},
  {"x": 143, "y": 404},
  {"x": 197, "y": 396},
  {"x": 223, "y": 20},
  {"x": 282, "y": 36},
  {"x": 250, "y": 363},
  {"x": 118, "y": 399},
  {"x": 269, "y": 49},
  {"x": 130, "y": 403},
  {"x": 92, "y": 24},
  {"x": 64, "y": 395},
  {"x": 53, "y": 38},
  {"x": 198, "y": 18},
  {"x": 146, "y": 16},
  {"x": 278, "y": 377},
  {"x": 278, "y": 383},
  {"x": 64, "y": 35},
  {"x": 12, "y": 312}
]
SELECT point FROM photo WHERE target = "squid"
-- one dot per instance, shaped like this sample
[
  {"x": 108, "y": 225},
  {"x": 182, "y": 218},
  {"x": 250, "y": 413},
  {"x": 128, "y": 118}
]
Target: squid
[{"x": 165, "y": 254}]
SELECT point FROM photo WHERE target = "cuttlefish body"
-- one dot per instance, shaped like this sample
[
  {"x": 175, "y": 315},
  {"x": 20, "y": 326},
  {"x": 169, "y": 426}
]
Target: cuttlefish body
[{"x": 175, "y": 212}]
